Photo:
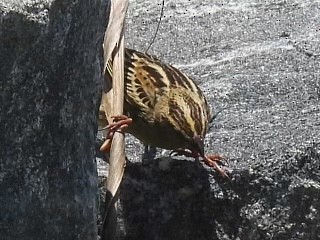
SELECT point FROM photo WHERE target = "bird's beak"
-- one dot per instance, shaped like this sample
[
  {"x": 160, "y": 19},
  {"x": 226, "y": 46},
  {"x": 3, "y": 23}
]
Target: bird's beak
[{"x": 199, "y": 145}]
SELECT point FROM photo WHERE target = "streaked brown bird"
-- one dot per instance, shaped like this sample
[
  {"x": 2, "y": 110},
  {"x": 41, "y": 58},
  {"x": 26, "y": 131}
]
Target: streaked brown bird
[{"x": 163, "y": 108}]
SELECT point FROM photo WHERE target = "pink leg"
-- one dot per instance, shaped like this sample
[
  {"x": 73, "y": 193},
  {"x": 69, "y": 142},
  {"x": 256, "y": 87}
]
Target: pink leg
[
  {"x": 210, "y": 160},
  {"x": 214, "y": 161},
  {"x": 120, "y": 123}
]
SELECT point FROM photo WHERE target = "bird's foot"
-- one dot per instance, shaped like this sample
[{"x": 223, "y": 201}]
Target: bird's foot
[
  {"x": 120, "y": 123},
  {"x": 215, "y": 161}
]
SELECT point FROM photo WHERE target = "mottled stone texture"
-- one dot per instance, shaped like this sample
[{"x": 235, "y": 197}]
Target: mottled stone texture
[
  {"x": 174, "y": 199},
  {"x": 50, "y": 72}
]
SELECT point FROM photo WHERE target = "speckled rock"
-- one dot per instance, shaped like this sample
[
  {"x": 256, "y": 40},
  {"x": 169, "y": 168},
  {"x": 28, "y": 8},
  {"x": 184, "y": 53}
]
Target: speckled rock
[{"x": 50, "y": 70}]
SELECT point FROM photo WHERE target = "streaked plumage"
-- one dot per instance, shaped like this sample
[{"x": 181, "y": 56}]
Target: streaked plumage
[{"x": 167, "y": 108}]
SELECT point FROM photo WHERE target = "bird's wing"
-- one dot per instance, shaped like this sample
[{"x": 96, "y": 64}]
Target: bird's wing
[
  {"x": 154, "y": 87},
  {"x": 147, "y": 77},
  {"x": 144, "y": 80}
]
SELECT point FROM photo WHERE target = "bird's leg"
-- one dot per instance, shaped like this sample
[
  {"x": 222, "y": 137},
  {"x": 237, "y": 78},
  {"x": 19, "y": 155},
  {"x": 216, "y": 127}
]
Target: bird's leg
[
  {"x": 120, "y": 122},
  {"x": 150, "y": 152},
  {"x": 214, "y": 161},
  {"x": 210, "y": 160}
]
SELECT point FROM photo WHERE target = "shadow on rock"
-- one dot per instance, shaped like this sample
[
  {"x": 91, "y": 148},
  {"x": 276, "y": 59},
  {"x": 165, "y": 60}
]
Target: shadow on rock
[{"x": 175, "y": 199}]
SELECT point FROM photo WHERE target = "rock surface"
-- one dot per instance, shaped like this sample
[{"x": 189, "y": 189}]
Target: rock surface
[
  {"x": 258, "y": 63},
  {"x": 50, "y": 70}
]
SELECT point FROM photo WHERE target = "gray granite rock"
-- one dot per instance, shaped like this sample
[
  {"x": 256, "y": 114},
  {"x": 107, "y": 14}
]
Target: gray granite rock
[
  {"x": 50, "y": 70},
  {"x": 258, "y": 62}
]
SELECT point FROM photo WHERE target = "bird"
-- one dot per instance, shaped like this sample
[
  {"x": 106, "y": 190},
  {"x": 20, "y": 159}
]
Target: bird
[{"x": 163, "y": 107}]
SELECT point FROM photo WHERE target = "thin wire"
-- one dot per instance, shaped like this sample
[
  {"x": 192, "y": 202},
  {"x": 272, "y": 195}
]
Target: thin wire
[{"x": 154, "y": 37}]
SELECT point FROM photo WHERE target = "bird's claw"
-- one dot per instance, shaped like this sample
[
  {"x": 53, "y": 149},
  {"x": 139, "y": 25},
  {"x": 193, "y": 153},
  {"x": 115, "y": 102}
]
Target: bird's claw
[
  {"x": 215, "y": 161},
  {"x": 120, "y": 123}
]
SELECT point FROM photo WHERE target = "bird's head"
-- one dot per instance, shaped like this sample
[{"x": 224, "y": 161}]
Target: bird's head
[
  {"x": 189, "y": 115},
  {"x": 197, "y": 146}
]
